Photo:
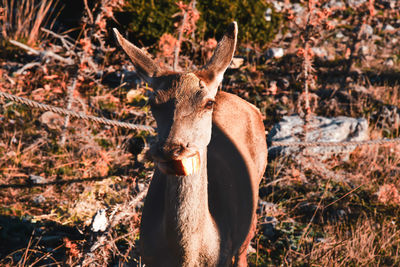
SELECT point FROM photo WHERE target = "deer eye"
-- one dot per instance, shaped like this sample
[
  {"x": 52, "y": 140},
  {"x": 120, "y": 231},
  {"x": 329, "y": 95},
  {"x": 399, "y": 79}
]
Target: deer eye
[{"x": 209, "y": 104}]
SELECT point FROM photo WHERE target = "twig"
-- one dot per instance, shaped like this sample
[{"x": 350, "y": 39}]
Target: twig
[
  {"x": 305, "y": 231},
  {"x": 23, "y": 46},
  {"x": 88, "y": 11},
  {"x": 70, "y": 98},
  {"x": 120, "y": 211},
  {"x": 179, "y": 42},
  {"x": 67, "y": 44},
  {"x": 27, "y": 66},
  {"x": 307, "y": 66},
  {"x": 100, "y": 238},
  {"x": 345, "y": 195},
  {"x": 44, "y": 54}
]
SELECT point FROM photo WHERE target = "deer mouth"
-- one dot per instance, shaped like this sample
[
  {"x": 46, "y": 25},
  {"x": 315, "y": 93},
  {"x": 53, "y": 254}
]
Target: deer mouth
[{"x": 181, "y": 167}]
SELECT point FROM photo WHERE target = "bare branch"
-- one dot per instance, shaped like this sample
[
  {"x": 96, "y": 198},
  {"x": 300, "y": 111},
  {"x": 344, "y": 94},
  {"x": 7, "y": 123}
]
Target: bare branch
[{"x": 44, "y": 54}]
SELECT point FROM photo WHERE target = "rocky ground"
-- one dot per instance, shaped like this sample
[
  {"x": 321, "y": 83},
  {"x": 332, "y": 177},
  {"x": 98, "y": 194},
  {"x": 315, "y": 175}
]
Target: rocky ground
[{"x": 315, "y": 209}]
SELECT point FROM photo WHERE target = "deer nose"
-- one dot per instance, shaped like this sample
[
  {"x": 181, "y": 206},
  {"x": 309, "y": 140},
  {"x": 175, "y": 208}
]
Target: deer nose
[{"x": 173, "y": 151}]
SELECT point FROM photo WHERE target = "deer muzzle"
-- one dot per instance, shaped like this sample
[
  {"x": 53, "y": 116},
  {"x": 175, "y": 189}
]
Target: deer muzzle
[{"x": 180, "y": 167}]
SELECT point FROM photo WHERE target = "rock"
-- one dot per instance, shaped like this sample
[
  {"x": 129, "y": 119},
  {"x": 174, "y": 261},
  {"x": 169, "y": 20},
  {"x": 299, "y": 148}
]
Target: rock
[
  {"x": 389, "y": 3},
  {"x": 283, "y": 83},
  {"x": 100, "y": 221},
  {"x": 275, "y": 52},
  {"x": 360, "y": 89},
  {"x": 320, "y": 129},
  {"x": 340, "y": 213},
  {"x": 140, "y": 187},
  {"x": 320, "y": 52},
  {"x": 334, "y": 4},
  {"x": 388, "y": 29},
  {"x": 388, "y": 62},
  {"x": 288, "y": 35},
  {"x": 298, "y": 8},
  {"x": 364, "y": 50},
  {"x": 39, "y": 199},
  {"x": 355, "y": 3},
  {"x": 388, "y": 116},
  {"x": 339, "y": 35},
  {"x": 268, "y": 14},
  {"x": 52, "y": 120},
  {"x": 366, "y": 31},
  {"x": 272, "y": 89},
  {"x": 36, "y": 179},
  {"x": 265, "y": 207},
  {"x": 236, "y": 63},
  {"x": 134, "y": 95},
  {"x": 300, "y": 13},
  {"x": 250, "y": 249},
  {"x": 268, "y": 227},
  {"x": 278, "y": 5}
]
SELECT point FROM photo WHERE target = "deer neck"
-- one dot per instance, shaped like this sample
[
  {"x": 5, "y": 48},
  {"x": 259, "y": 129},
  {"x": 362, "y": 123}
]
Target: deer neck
[{"x": 187, "y": 217}]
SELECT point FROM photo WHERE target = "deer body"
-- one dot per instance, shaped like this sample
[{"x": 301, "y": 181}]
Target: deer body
[{"x": 204, "y": 217}]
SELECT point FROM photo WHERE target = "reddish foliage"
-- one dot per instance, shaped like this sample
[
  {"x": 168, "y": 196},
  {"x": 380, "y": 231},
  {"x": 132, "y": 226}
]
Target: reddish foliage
[
  {"x": 167, "y": 44},
  {"x": 72, "y": 247},
  {"x": 388, "y": 193}
]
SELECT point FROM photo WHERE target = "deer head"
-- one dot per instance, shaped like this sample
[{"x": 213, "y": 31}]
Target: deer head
[{"x": 182, "y": 103}]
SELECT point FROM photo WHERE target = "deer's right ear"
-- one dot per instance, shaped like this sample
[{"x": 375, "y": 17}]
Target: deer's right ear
[
  {"x": 145, "y": 67},
  {"x": 214, "y": 70}
]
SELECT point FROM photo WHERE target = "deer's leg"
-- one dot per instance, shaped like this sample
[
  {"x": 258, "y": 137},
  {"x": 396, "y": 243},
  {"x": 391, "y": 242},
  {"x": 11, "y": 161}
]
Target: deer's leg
[{"x": 241, "y": 256}]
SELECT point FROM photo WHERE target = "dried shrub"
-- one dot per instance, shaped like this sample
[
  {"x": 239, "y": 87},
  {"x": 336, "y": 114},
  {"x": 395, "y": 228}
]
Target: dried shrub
[
  {"x": 365, "y": 244},
  {"x": 388, "y": 193},
  {"x": 167, "y": 45},
  {"x": 22, "y": 20}
]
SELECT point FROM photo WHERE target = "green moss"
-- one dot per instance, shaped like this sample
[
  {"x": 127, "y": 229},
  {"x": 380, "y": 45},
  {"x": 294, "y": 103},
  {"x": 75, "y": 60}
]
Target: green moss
[
  {"x": 104, "y": 142},
  {"x": 216, "y": 15},
  {"x": 147, "y": 21},
  {"x": 67, "y": 171},
  {"x": 107, "y": 106}
]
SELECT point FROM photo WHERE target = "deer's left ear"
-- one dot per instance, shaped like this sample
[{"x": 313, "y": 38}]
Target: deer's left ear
[
  {"x": 144, "y": 65},
  {"x": 214, "y": 70}
]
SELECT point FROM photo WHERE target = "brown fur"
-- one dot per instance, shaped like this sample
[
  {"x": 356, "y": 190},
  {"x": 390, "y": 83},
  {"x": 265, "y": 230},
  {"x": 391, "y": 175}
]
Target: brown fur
[{"x": 207, "y": 218}]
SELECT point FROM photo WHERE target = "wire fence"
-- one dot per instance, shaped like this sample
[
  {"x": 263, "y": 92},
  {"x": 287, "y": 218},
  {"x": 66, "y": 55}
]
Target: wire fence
[
  {"x": 139, "y": 127},
  {"x": 341, "y": 144},
  {"x": 78, "y": 115}
]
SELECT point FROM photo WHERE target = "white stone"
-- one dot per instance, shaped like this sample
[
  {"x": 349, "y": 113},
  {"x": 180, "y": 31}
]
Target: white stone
[
  {"x": 236, "y": 63},
  {"x": 339, "y": 35},
  {"x": 268, "y": 14},
  {"x": 320, "y": 52},
  {"x": 388, "y": 28},
  {"x": 275, "y": 52},
  {"x": 320, "y": 129},
  {"x": 366, "y": 30},
  {"x": 100, "y": 221}
]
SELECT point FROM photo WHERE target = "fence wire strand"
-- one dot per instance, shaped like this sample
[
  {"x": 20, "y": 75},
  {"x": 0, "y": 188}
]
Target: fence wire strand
[
  {"x": 78, "y": 115},
  {"x": 139, "y": 127},
  {"x": 343, "y": 143}
]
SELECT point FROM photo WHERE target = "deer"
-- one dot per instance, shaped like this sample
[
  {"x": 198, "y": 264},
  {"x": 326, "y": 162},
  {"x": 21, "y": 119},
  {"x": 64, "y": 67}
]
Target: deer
[{"x": 210, "y": 156}]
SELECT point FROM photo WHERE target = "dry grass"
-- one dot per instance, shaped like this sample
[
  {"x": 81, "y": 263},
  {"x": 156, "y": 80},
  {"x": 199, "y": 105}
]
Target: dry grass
[
  {"x": 22, "y": 20},
  {"x": 335, "y": 212},
  {"x": 367, "y": 243}
]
